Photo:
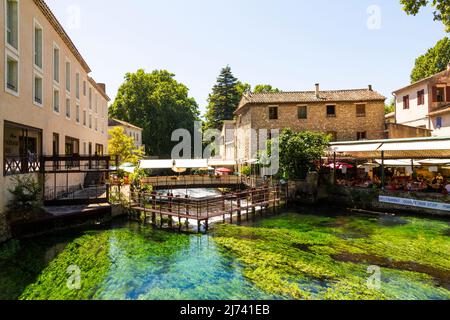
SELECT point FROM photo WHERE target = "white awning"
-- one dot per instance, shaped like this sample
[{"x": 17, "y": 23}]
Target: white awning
[
  {"x": 192, "y": 163},
  {"x": 398, "y": 163},
  {"x": 366, "y": 147},
  {"x": 416, "y": 146},
  {"x": 156, "y": 164},
  {"x": 442, "y": 162},
  {"x": 221, "y": 163}
]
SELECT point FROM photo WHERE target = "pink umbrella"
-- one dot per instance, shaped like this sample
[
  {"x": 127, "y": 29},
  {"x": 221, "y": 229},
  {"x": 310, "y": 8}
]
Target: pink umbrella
[{"x": 224, "y": 170}]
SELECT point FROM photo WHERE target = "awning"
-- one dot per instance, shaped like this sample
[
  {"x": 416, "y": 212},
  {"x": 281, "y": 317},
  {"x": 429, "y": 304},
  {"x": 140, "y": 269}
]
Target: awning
[
  {"x": 221, "y": 163},
  {"x": 398, "y": 163},
  {"x": 156, "y": 164},
  {"x": 192, "y": 163},
  {"x": 416, "y": 146},
  {"x": 435, "y": 162},
  {"x": 355, "y": 148}
]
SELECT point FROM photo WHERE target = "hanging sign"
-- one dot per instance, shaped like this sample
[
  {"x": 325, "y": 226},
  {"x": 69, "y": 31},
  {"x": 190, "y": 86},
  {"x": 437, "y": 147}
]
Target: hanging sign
[{"x": 416, "y": 203}]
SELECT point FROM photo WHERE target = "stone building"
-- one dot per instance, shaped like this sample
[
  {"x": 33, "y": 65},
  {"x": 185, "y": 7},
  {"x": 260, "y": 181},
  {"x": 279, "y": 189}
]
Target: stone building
[
  {"x": 130, "y": 130},
  {"x": 49, "y": 105},
  {"x": 344, "y": 114}
]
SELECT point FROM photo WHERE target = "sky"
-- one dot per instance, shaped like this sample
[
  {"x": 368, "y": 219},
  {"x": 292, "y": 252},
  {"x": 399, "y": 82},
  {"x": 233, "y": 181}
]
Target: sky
[{"x": 290, "y": 44}]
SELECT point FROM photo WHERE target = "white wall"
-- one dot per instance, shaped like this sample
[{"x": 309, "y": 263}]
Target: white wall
[
  {"x": 445, "y": 130},
  {"x": 416, "y": 115}
]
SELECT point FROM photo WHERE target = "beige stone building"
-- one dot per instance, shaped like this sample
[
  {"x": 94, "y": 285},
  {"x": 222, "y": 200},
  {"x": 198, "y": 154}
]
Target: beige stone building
[
  {"x": 345, "y": 114},
  {"x": 129, "y": 129},
  {"x": 48, "y": 103}
]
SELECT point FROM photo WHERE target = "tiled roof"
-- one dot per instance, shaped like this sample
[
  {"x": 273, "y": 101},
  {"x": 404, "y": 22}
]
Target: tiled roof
[
  {"x": 62, "y": 33},
  {"x": 115, "y": 123},
  {"x": 352, "y": 95}
]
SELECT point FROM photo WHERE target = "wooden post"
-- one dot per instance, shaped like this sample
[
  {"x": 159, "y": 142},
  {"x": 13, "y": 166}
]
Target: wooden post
[
  {"x": 382, "y": 170},
  {"x": 334, "y": 169},
  {"x": 239, "y": 207},
  {"x": 154, "y": 208}
]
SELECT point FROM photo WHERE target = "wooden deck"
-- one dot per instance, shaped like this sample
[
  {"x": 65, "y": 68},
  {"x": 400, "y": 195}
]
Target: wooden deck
[{"x": 204, "y": 210}]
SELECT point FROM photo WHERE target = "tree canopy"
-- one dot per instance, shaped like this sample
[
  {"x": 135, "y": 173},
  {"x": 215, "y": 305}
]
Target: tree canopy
[
  {"x": 157, "y": 103},
  {"x": 265, "y": 88},
  {"x": 224, "y": 99},
  {"x": 441, "y": 9},
  {"x": 123, "y": 146},
  {"x": 298, "y": 151},
  {"x": 435, "y": 60}
]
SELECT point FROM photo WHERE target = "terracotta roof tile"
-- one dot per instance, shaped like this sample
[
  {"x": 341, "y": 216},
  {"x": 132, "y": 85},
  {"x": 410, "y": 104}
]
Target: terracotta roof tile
[{"x": 352, "y": 95}]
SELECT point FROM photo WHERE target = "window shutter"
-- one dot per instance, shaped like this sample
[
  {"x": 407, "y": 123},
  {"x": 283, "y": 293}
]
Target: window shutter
[
  {"x": 434, "y": 91},
  {"x": 447, "y": 94}
]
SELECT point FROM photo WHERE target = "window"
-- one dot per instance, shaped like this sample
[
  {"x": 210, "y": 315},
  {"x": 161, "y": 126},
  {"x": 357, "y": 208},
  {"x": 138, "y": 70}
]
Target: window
[
  {"x": 361, "y": 135},
  {"x": 56, "y": 64},
  {"x": 72, "y": 146},
  {"x": 55, "y": 144},
  {"x": 90, "y": 98},
  {"x": 331, "y": 111},
  {"x": 96, "y": 103},
  {"x": 68, "y": 76},
  {"x": 406, "y": 102},
  {"x": 273, "y": 113},
  {"x": 37, "y": 46},
  {"x": 84, "y": 88},
  {"x": 84, "y": 118},
  {"x": 439, "y": 123},
  {"x": 303, "y": 112},
  {"x": 77, "y": 114},
  {"x": 12, "y": 23},
  {"x": 77, "y": 86},
  {"x": 421, "y": 97},
  {"x": 37, "y": 90},
  {"x": 22, "y": 147},
  {"x": 360, "y": 110},
  {"x": 56, "y": 100},
  {"x": 333, "y": 135},
  {"x": 90, "y": 121},
  {"x": 96, "y": 124},
  {"x": 12, "y": 75},
  {"x": 440, "y": 94},
  {"x": 68, "y": 108}
]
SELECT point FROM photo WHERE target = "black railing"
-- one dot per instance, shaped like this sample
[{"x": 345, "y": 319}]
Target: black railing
[{"x": 21, "y": 164}]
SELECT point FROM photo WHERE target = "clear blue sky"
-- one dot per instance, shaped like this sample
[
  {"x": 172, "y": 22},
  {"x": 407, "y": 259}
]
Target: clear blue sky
[{"x": 290, "y": 44}]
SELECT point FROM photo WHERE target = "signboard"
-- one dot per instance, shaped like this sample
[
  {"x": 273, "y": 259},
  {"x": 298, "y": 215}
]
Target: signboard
[{"x": 416, "y": 203}]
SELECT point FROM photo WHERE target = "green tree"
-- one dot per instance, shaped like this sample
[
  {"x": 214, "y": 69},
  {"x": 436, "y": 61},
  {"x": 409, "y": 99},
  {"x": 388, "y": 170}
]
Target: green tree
[
  {"x": 157, "y": 103},
  {"x": 435, "y": 60},
  {"x": 299, "y": 151},
  {"x": 390, "y": 108},
  {"x": 265, "y": 88},
  {"x": 123, "y": 146},
  {"x": 224, "y": 99},
  {"x": 441, "y": 9}
]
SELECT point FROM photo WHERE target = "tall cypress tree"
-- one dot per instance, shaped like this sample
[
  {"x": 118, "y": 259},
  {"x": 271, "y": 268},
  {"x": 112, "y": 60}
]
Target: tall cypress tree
[{"x": 223, "y": 100}]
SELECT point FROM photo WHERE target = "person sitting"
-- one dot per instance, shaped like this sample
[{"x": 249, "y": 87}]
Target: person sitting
[{"x": 447, "y": 187}]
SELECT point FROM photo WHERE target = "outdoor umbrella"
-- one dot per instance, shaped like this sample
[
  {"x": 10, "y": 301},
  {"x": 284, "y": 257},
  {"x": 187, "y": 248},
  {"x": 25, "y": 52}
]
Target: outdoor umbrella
[
  {"x": 340, "y": 165},
  {"x": 224, "y": 170}
]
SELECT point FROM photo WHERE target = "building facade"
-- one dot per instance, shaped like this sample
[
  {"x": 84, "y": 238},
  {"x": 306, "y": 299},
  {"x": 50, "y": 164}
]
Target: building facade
[
  {"x": 344, "y": 114},
  {"x": 129, "y": 129},
  {"x": 48, "y": 103},
  {"x": 426, "y": 104}
]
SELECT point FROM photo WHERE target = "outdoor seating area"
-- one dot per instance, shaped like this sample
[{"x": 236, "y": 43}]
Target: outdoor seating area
[{"x": 407, "y": 165}]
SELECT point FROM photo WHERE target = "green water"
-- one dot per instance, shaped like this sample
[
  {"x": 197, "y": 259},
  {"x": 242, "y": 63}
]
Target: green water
[{"x": 289, "y": 256}]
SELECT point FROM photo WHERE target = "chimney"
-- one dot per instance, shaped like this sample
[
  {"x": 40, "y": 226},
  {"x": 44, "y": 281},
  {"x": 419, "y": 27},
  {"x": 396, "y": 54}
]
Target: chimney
[
  {"x": 317, "y": 90},
  {"x": 370, "y": 87},
  {"x": 102, "y": 86}
]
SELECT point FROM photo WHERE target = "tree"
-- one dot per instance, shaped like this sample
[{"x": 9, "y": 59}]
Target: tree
[
  {"x": 298, "y": 152},
  {"x": 224, "y": 99},
  {"x": 123, "y": 146},
  {"x": 441, "y": 12},
  {"x": 435, "y": 60},
  {"x": 157, "y": 103},
  {"x": 265, "y": 88},
  {"x": 390, "y": 108}
]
